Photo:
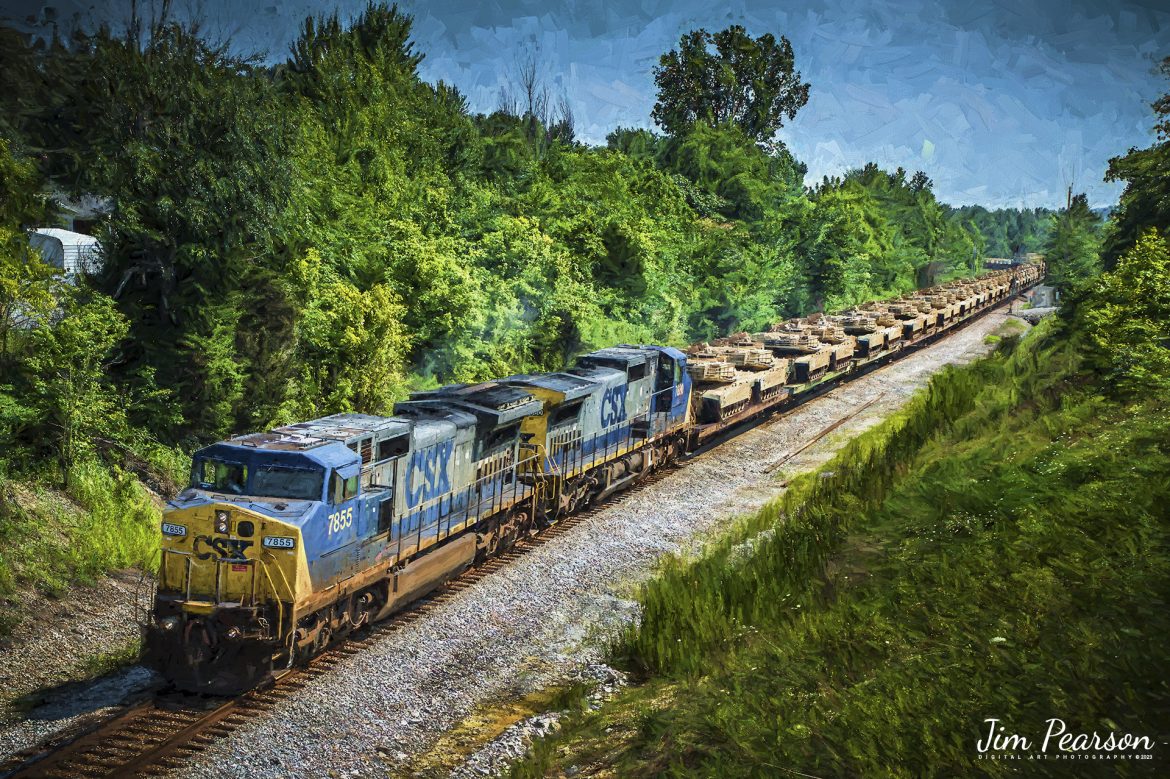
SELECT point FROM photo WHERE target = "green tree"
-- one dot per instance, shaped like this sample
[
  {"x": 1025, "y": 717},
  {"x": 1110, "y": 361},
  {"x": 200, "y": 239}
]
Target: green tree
[
  {"x": 838, "y": 247},
  {"x": 351, "y": 344},
  {"x": 1126, "y": 318},
  {"x": 27, "y": 287},
  {"x": 68, "y": 367},
  {"x": 1073, "y": 249},
  {"x": 636, "y": 142},
  {"x": 729, "y": 77},
  {"x": 1145, "y": 203},
  {"x": 189, "y": 143},
  {"x": 722, "y": 160},
  {"x": 26, "y": 282}
]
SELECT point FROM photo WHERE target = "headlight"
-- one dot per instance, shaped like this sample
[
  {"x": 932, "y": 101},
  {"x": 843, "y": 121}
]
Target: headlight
[
  {"x": 279, "y": 542},
  {"x": 222, "y": 521},
  {"x": 169, "y": 529},
  {"x": 168, "y": 623}
]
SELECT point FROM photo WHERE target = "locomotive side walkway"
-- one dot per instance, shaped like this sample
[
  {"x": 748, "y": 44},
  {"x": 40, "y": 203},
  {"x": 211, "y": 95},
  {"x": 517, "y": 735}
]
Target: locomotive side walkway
[{"x": 546, "y": 615}]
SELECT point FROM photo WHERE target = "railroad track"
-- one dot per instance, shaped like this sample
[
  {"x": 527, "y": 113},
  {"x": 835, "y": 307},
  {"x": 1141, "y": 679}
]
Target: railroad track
[{"x": 152, "y": 737}]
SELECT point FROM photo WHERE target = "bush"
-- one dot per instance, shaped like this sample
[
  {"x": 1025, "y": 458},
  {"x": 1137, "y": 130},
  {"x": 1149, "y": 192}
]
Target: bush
[{"x": 50, "y": 540}]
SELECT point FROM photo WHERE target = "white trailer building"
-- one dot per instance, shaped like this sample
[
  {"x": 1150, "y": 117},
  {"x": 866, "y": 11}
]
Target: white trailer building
[{"x": 71, "y": 252}]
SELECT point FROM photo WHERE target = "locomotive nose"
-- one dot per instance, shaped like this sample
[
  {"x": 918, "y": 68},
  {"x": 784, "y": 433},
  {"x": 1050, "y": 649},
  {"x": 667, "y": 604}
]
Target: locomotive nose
[{"x": 218, "y": 617}]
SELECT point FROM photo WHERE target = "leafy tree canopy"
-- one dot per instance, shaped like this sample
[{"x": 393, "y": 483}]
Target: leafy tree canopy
[
  {"x": 1126, "y": 317},
  {"x": 1073, "y": 249},
  {"x": 729, "y": 77},
  {"x": 1146, "y": 200},
  {"x": 328, "y": 233}
]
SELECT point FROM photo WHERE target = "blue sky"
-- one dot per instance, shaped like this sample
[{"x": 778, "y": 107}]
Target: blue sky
[{"x": 1001, "y": 103}]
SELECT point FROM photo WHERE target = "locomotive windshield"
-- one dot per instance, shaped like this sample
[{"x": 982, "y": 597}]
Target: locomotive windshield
[
  {"x": 278, "y": 481},
  {"x": 266, "y": 481}
]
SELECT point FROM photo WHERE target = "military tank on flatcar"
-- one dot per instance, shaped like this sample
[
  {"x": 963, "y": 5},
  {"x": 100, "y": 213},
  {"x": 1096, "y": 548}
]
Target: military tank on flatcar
[{"x": 731, "y": 378}]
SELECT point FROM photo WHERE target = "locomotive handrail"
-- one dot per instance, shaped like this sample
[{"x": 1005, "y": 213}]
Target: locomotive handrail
[{"x": 279, "y": 602}]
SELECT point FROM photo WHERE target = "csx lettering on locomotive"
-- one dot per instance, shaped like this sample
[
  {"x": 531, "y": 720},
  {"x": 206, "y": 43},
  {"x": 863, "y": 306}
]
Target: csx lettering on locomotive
[
  {"x": 225, "y": 548},
  {"x": 428, "y": 473},
  {"x": 613, "y": 405}
]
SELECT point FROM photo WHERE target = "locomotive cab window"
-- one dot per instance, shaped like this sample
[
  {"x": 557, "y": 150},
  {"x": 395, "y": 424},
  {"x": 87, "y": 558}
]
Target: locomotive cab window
[
  {"x": 665, "y": 377},
  {"x": 342, "y": 489},
  {"x": 635, "y": 372},
  {"x": 220, "y": 476},
  {"x": 278, "y": 481}
]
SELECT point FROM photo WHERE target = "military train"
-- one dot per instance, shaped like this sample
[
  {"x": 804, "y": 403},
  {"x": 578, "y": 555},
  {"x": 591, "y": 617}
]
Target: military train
[{"x": 289, "y": 539}]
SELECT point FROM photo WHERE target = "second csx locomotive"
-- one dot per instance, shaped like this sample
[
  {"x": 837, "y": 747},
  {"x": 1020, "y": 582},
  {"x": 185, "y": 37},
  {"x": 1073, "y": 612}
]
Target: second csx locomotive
[{"x": 288, "y": 539}]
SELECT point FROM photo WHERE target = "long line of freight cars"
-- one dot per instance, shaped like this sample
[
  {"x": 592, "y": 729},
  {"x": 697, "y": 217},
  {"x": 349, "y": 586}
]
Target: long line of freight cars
[{"x": 289, "y": 539}]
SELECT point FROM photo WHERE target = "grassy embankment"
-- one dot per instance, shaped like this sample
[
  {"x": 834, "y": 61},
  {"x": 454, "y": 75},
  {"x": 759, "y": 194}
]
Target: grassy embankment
[
  {"x": 998, "y": 549},
  {"x": 53, "y": 537}
]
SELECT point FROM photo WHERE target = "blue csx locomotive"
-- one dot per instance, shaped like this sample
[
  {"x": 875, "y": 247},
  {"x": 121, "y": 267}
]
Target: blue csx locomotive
[{"x": 288, "y": 539}]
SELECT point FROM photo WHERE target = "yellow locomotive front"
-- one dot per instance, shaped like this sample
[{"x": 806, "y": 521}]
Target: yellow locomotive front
[{"x": 233, "y": 566}]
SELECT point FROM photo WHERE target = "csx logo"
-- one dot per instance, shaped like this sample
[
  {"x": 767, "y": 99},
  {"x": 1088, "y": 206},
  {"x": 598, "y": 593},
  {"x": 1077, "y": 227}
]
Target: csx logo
[
  {"x": 224, "y": 548},
  {"x": 428, "y": 473},
  {"x": 613, "y": 405}
]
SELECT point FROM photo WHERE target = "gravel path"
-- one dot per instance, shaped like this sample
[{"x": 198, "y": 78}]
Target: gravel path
[
  {"x": 540, "y": 619},
  {"x": 533, "y": 624},
  {"x": 53, "y": 649}
]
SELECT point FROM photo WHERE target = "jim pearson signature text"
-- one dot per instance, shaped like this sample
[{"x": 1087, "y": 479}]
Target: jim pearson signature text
[{"x": 1059, "y": 742}]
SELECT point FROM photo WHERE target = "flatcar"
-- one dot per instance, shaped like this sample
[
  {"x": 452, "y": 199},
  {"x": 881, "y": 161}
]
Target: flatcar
[{"x": 286, "y": 540}]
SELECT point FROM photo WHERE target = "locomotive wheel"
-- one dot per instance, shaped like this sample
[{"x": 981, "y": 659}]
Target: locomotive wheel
[
  {"x": 525, "y": 526},
  {"x": 324, "y": 639}
]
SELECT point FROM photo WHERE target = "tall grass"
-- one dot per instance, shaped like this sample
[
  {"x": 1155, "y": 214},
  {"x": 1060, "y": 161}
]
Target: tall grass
[
  {"x": 754, "y": 572},
  {"x": 51, "y": 539}
]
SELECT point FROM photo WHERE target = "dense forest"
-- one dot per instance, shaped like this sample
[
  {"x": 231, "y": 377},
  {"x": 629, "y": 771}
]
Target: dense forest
[{"x": 331, "y": 231}]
